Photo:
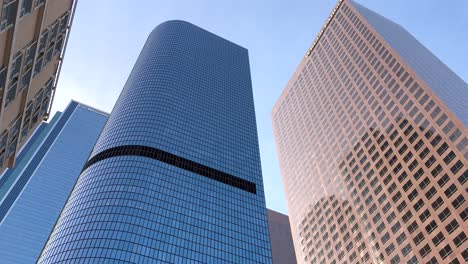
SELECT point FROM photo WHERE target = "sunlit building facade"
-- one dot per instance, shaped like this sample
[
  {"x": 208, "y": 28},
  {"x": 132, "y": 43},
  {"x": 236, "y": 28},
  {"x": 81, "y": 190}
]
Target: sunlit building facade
[
  {"x": 33, "y": 37},
  {"x": 371, "y": 132},
  {"x": 175, "y": 176}
]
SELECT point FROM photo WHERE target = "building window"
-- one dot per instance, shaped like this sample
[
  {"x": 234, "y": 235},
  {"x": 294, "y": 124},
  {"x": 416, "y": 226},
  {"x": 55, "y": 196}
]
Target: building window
[
  {"x": 463, "y": 178},
  {"x": 437, "y": 203},
  {"x": 447, "y": 250},
  {"x": 3, "y": 141},
  {"x": 455, "y": 168},
  {"x": 64, "y": 23},
  {"x": 406, "y": 249},
  {"x": 424, "y": 183},
  {"x": 396, "y": 197},
  {"x": 455, "y": 135},
  {"x": 39, "y": 3},
  {"x": 436, "y": 170},
  {"x": 418, "y": 238},
  {"x": 443, "y": 180},
  {"x": 452, "y": 226},
  {"x": 396, "y": 227},
  {"x": 429, "y": 106},
  {"x": 425, "y": 250},
  {"x": 38, "y": 66},
  {"x": 413, "y": 195},
  {"x": 418, "y": 174},
  {"x": 450, "y": 190},
  {"x": 407, "y": 216},
  {"x": 58, "y": 46},
  {"x": 402, "y": 177},
  {"x": 429, "y": 133},
  {"x": 48, "y": 56},
  {"x": 401, "y": 238},
  {"x": 418, "y": 205},
  {"x": 413, "y": 260},
  {"x": 9, "y": 10},
  {"x": 430, "y": 161},
  {"x": 25, "y": 78},
  {"x": 424, "y": 99},
  {"x": 11, "y": 92},
  {"x": 53, "y": 34},
  {"x": 459, "y": 239},
  {"x": 26, "y": 7},
  {"x": 425, "y": 215},
  {"x": 391, "y": 217},
  {"x": 458, "y": 201},
  {"x": 438, "y": 238},
  {"x": 16, "y": 66},
  {"x": 436, "y": 140},
  {"x": 395, "y": 260},
  {"x": 449, "y": 157},
  {"x": 43, "y": 42},
  {"x": 401, "y": 206},
  {"x": 29, "y": 55},
  {"x": 431, "y": 192},
  {"x": 390, "y": 249},
  {"x": 424, "y": 153},
  {"x": 413, "y": 165},
  {"x": 442, "y": 149},
  {"x": 408, "y": 157},
  {"x": 448, "y": 127},
  {"x": 3, "y": 73},
  {"x": 12, "y": 147},
  {"x": 462, "y": 144},
  {"x": 431, "y": 227}
]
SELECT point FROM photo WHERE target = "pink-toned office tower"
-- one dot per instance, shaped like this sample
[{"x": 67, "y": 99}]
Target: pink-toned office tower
[{"x": 371, "y": 132}]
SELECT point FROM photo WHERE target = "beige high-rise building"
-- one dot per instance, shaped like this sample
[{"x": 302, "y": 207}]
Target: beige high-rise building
[
  {"x": 371, "y": 132},
  {"x": 33, "y": 37}
]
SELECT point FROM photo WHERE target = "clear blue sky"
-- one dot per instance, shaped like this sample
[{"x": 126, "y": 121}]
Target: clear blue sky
[{"x": 107, "y": 36}]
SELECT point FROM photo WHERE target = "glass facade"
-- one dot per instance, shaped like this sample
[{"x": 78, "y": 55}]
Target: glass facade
[
  {"x": 175, "y": 176},
  {"x": 34, "y": 192},
  {"x": 373, "y": 146}
]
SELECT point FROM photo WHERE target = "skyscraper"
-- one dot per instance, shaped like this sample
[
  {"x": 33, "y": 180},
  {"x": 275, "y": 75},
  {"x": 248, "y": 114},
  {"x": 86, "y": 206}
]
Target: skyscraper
[
  {"x": 372, "y": 139},
  {"x": 33, "y": 193},
  {"x": 175, "y": 176},
  {"x": 33, "y": 36},
  {"x": 282, "y": 247}
]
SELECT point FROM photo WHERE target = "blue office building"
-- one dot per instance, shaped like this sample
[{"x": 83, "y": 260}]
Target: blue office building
[
  {"x": 175, "y": 176},
  {"x": 33, "y": 193}
]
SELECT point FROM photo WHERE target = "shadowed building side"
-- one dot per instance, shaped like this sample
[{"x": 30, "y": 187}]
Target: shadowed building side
[{"x": 282, "y": 247}]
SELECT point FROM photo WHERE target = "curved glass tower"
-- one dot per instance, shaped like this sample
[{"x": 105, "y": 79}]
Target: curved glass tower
[{"x": 175, "y": 176}]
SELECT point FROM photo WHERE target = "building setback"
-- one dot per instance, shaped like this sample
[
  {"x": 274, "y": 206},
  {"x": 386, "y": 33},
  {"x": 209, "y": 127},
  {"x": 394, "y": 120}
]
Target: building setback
[
  {"x": 282, "y": 247},
  {"x": 175, "y": 176},
  {"x": 372, "y": 139},
  {"x": 33, "y": 193}
]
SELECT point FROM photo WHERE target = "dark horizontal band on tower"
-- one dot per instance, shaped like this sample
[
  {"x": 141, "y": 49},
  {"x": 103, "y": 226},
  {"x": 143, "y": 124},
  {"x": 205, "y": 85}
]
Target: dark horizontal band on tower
[{"x": 174, "y": 160}]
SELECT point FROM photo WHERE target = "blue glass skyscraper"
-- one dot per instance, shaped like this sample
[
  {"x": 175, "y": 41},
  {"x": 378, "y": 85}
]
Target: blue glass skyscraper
[
  {"x": 175, "y": 176},
  {"x": 33, "y": 193}
]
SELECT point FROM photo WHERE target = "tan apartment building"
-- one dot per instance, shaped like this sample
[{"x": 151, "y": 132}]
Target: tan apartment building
[
  {"x": 372, "y": 138},
  {"x": 33, "y": 37}
]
